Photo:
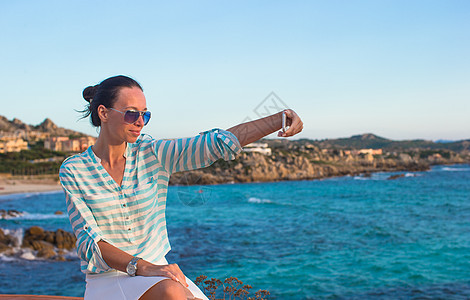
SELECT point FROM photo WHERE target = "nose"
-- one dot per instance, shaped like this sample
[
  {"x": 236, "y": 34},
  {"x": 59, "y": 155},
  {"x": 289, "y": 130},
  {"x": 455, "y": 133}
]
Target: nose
[{"x": 140, "y": 121}]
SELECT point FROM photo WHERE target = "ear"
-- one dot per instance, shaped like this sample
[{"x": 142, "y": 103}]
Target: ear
[{"x": 103, "y": 113}]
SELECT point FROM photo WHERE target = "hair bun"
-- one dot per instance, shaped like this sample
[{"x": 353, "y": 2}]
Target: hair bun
[{"x": 89, "y": 92}]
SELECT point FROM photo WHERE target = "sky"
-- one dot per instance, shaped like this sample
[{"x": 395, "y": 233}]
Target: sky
[{"x": 398, "y": 69}]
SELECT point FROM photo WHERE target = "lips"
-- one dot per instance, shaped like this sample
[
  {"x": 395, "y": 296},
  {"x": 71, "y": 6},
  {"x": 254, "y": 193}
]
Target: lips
[{"x": 135, "y": 132}]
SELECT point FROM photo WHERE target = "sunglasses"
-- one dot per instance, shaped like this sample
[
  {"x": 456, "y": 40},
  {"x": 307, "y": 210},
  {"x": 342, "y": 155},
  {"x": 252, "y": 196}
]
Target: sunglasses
[{"x": 131, "y": 116}]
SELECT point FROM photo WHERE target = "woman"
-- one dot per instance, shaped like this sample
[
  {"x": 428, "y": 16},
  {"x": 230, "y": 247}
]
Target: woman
[{"x": 116, "y": 192}]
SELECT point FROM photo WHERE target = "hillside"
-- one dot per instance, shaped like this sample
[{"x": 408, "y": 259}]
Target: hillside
[
  {"x": 47, "y": 127},
  {"x": 372, "y": 141}
]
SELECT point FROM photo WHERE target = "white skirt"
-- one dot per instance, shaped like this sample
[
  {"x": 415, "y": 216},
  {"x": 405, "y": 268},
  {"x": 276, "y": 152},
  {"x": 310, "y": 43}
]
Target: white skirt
[{"x": 118, "y": 285}]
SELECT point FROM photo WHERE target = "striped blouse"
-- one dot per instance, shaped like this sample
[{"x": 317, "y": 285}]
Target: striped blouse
[{"x": 132, "y": 216}]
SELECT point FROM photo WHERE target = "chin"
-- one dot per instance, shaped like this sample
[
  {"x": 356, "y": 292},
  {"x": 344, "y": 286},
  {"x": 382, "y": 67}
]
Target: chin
[{"x": 132, "y": 139}]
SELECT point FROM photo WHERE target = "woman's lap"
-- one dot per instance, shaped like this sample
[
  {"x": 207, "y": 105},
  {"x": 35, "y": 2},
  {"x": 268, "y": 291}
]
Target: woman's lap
[{"x": 118, "y": 285}]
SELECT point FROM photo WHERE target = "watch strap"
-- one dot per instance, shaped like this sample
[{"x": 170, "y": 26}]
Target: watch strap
[{"x": 132, "y": 265}]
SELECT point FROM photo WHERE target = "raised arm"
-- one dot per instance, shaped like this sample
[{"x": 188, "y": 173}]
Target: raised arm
[
  {"x": 197, "y": 152},
  {"x": 250, "y": 132}
]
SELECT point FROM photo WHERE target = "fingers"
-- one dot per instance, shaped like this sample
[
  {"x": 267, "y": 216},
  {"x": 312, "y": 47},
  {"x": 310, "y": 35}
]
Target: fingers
[
  {"x": 177, "y": 274},
  {"x": 296, "y": 125},
  {"x": 171, "y": 271}
]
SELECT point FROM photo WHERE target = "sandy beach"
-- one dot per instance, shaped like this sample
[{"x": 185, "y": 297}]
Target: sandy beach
[{"x": 15, "y": 185}]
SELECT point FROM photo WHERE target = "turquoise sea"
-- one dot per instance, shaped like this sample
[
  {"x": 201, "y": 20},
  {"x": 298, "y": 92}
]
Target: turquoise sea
[{"x": 339, "y": 238}]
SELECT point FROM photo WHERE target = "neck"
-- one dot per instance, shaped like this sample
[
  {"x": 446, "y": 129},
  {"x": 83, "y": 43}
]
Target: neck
[{"x": 108, "y": 150}]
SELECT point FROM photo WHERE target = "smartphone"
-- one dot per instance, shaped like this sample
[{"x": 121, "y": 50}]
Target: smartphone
[{"x": 284, "y": 121}]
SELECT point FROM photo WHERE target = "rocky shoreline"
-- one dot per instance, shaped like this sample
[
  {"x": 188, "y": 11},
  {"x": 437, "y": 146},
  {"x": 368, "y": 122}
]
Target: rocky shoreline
[
  {"x": 293, "y": 162},
  {"x": 37, "y": 243}
]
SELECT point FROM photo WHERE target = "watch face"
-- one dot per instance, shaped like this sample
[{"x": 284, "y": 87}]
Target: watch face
[{"x": 131, "y": 269}]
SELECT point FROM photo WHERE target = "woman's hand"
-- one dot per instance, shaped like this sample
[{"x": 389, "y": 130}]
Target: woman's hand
[
  {"x": 252, "y": 131},
  {"x": 172, "y": 271},
  {"x": 294, "y": 122},
  {"x": 118, "y": 259}
]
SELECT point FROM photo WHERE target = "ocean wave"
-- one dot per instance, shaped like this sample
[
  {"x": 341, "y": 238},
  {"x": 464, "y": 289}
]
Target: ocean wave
[
  {"x": 10, "y": 214},
  {"x": 21, "y": 215},
  {"x": 374, "y": 176},
  {"x": 450, "y": 169},
  {"x": 28, "y": 216},
  {"x": 361, "y": 178},
  {"x": 16, "y": 196},
  {"x": 22, "y": 254},
  {"x": 258, "y": 200}
]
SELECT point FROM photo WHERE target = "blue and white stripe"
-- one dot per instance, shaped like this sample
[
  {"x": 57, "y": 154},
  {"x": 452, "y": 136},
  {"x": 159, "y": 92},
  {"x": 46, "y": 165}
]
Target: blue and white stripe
[{"x": 132, "y": 216}]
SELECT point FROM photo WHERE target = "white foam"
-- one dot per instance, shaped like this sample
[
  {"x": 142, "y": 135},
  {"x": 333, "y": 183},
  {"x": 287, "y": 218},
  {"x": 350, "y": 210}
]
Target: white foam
[
  {"x": 373, "y": 176},
  {"x": 27, "y": 254},
  {"x": 17, "y": 235},
  {"x": 257, "y": 200},
  {"x": 11, "y": 215},
  {"x": 28, "y": 216},
  {"x": 450, "y": 169},
  {"x": 7, "y": 258}
]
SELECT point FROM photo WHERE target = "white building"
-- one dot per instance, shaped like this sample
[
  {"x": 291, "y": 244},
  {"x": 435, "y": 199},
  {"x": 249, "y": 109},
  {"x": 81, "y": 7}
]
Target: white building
[
  {"x": 258, "y": 147},
  {"x": 12, "y": 145}
]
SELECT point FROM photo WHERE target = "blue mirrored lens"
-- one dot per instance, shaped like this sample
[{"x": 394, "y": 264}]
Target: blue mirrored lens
[{"x": 146, "y": 117}]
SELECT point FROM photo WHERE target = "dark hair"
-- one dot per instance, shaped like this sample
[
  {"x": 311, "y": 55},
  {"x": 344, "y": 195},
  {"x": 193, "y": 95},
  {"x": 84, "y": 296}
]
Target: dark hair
[{"x": 106, "y": 94}]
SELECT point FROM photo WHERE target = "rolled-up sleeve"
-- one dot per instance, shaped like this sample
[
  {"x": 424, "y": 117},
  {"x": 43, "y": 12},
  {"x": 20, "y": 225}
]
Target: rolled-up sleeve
[
  {"x": 83, "y": 224},
  {"x": 197, "y": 152}
]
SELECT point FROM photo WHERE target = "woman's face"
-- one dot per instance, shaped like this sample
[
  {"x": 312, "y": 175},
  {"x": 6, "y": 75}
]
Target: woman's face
[{"x": 128, "y": 99}]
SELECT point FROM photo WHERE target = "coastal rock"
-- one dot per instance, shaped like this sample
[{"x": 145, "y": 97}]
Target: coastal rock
[
  {"x": 396, "y": 176},
  {"x": 46, "y": 253},
  {"x": 49, "y": 237},
  {"x": 5, "y": 238},
  {"x": 34, "y": 233},
  {"x": 405, "y": 157},
  {"x": 8, "y": 214},
  {"x": 43, "y": 244},
  {"x": 6, "y": 241},
  {"x": 45, "y": 249},
  {"x": 4, "y": 247},
  {"x": 40, "y": 245},
  {"x": 64, "y": 239},
  {"x": 38, "y": 238}
]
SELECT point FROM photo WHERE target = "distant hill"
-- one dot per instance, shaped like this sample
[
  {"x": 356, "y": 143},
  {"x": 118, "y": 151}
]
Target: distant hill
[
  {"x": 369, "y": 140},
  {"x": 47, "y": 126},
  {"x": 372, "y": 141}
]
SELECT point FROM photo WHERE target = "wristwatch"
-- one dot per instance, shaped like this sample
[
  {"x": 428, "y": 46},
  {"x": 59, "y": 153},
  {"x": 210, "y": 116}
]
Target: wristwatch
[{"x": 131, "y": 268}]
